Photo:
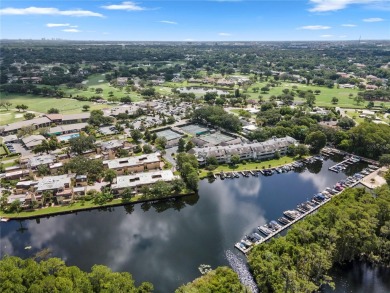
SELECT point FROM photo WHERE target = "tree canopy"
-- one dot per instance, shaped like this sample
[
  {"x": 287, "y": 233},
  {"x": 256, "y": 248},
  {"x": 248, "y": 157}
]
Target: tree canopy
[
  {"x": 221, "y": 280},
  {"x": 81, "y": 144},
  {"x": 354, "y": 225},
  {"x": 53, "y": 275},
  {"x": 217, "y": 116}
]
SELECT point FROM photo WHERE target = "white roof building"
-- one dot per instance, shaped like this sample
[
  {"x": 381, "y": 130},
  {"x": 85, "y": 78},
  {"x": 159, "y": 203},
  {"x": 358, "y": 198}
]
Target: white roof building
[
  {"x": 132, "y": 161},
  {"x": 54, "y": 182},
  {"x": 144, "y": 178}
]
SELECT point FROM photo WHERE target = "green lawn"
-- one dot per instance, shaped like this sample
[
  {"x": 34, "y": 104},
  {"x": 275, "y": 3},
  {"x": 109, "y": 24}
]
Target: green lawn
[
  {"x": 98, "y": 81},
  {"x": 355, "y": 116},
  {"x": 78, "y": 205},
  {"x": 42, "y": 105},
  {"x": 61, "y": 209},
  {"x": 2, "y": 151},
  {"x": 7, "y": 117},
  {"x": 323, "y": 99},
  {"x": 251, "y": 166}
]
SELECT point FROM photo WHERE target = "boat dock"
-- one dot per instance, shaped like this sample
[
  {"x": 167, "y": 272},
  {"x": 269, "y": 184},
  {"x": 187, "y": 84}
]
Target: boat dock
[
  {"x": 332, "y": 151},
  {"x": 304, "y": 209},
  {"x": 266, "y": 238},
  {"x": 342, "y": 165}
]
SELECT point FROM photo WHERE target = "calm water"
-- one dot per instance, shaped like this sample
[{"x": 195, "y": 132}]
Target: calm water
[{"x": 165, "y": 243}]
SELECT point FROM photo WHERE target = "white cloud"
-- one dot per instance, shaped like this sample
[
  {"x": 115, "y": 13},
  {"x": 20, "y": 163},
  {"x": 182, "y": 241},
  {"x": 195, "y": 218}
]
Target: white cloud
[
  {"x": 47, "y": 11},
  {"x": 333, "y": 5},
  {"x": 168, "y": 21},
  {"x": 342, "y": 36},
  {"x": 188, "y": 40},
  {"x": 314, "y": 27},
  {"x": 57, "y": 24},
  {"x": 326, "y": 36},
  {"x": 373, "y": 19},
  {"x": 127, "y": 5},
  {"x": 348, "y": 25},
  {"x": 224, "y": 34},
  {"x": 71, "y": 30}
]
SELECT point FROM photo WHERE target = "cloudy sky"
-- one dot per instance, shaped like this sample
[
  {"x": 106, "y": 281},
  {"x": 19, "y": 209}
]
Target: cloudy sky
[{"x": 201, "y": 20}]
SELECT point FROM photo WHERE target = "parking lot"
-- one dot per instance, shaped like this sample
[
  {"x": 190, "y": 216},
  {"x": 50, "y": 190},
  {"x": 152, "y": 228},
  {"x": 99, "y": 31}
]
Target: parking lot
[{"x": 17, "y": 148}]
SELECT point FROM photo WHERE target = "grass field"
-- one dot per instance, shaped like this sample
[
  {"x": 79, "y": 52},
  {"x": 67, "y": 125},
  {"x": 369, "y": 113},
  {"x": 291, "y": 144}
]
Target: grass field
[
  {"x": 323, "y": 99},
  {"x": 2, "y": 151},
  {"x": 11, "y": 116},
  {"x": 98, "y": 81},
  {"x": 42, "y": 105},
  {"x": 355, "y": 116}
]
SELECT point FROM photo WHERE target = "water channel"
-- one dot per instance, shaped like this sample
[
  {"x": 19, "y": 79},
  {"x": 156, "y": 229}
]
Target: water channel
[{"x": 165, "y": 243}]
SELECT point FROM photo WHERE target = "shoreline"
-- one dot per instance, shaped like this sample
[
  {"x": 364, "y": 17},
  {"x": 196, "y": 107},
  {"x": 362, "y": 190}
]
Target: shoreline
[{"x": 24, "y": 215}]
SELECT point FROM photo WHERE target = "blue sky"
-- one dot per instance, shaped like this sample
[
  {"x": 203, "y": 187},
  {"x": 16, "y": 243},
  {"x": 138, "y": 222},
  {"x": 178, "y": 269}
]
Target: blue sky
[{"x": 202, "y": 20}]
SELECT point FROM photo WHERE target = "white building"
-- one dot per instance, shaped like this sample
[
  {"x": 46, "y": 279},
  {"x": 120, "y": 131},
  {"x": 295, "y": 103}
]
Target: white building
[
  {"x": 135, "y": 181},
  {"x": 246, "y": 151}
]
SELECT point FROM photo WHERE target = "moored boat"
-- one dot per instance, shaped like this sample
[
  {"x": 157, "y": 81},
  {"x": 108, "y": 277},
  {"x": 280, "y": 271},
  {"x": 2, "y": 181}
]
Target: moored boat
[
  {"x": 292, "y": 214},
  {"x": 264, "y": 230},
  {"x": 283, "y": 220}
]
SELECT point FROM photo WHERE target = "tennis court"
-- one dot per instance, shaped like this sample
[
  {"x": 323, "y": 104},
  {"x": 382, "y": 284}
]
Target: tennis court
[
  {"x": 194, "y": 129},
  {"x": 215, "y": 138},
  {"x": 168, "y": 134}
]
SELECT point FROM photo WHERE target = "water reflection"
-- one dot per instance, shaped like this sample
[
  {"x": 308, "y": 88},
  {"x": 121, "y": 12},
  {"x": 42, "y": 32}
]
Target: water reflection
[
  {"x": 360, "y": 277},
  {"x": 166, "y": 242}
]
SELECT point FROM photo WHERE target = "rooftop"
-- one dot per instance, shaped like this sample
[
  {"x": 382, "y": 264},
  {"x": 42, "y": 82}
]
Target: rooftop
[
  {"x": 67, "y": 127},
  {"x": 20, "y": 124},
  {"x": 33, "y": 140},
  {"x": 132, "y": 161},
  {"x": 142, "y": 179},
  {"x": 116, "y": 143},
  {"x": 41, "y": 160},
  {"x": 53, "y": 182}
]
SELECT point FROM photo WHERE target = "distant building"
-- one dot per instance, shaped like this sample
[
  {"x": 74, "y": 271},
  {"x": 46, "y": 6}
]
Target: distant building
[{"x": 122, "y": 81}]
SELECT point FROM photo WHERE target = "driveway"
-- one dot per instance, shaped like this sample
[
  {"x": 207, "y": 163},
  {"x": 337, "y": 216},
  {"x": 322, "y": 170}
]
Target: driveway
[{"x": 169, "y": 158}]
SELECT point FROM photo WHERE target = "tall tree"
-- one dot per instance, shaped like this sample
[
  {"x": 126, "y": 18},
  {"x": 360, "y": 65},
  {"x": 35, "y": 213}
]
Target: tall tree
[
  {"x": 316, "y": 140},
  {"x": 81, "y": 144}
]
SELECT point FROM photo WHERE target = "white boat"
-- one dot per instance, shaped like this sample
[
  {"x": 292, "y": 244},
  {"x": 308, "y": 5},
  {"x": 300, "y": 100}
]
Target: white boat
[
  {"x": 264, "y": 230},
  {"x": 292, "y": 214}
]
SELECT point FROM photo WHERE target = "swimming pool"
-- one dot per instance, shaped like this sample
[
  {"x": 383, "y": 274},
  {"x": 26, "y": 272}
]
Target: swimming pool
[{"x": 67, "y": 136}]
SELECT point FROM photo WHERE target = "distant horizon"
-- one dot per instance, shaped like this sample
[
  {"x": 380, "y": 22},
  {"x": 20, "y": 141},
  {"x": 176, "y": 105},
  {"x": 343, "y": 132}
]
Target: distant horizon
[
  {"x": 196, "y": 21},
  {"x": 203, "y": 41}
]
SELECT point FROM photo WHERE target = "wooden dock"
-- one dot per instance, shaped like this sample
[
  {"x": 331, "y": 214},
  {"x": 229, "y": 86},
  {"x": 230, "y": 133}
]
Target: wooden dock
[
  {"x": 284, "y": 227},
  {"x": 245, "y": 251}
]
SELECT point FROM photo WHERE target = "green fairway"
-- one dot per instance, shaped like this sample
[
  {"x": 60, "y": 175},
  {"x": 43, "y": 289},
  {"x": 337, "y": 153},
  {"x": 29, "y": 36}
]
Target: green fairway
[
  {"x": 7, "y": 117},
  {"x": 323, "y": 99},
  {"x": 98, "y": 81},
  {"x": 42, "y": 105}
]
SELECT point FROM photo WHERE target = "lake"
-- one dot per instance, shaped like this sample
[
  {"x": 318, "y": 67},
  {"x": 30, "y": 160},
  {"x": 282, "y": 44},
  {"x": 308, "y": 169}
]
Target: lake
[{"x": 165, "y": 243}]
